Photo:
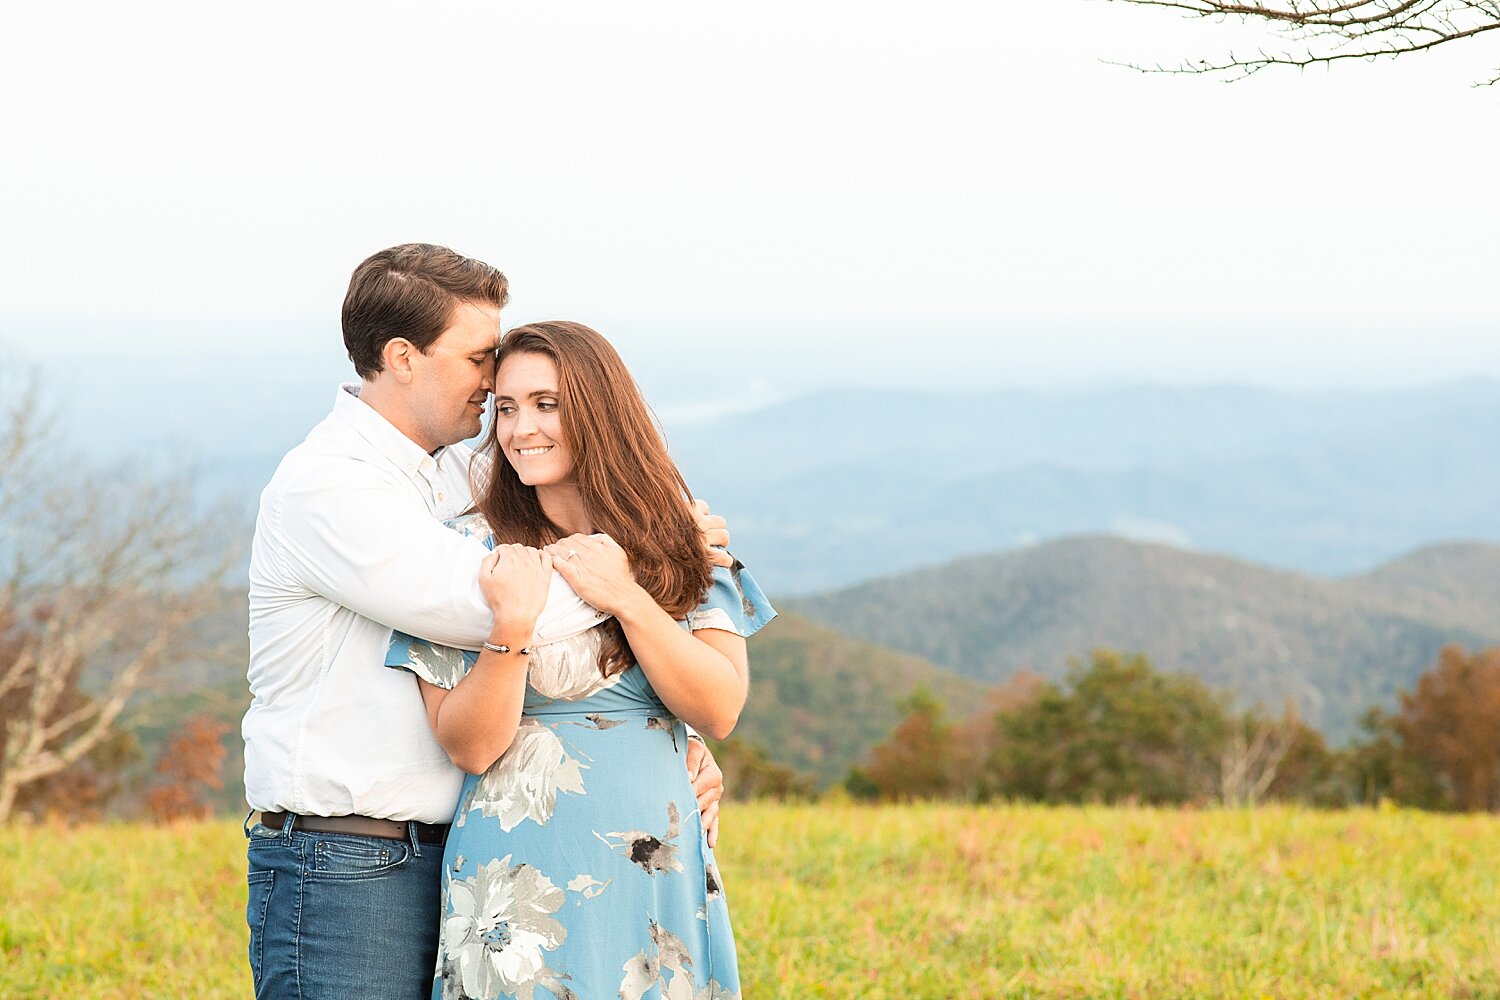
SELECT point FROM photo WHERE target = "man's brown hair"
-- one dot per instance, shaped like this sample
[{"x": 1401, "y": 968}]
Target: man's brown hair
[{"x": 410, "y": 291}]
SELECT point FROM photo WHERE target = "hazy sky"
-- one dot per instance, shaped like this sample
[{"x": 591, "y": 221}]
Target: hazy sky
[{"x": 956, "y": 193}]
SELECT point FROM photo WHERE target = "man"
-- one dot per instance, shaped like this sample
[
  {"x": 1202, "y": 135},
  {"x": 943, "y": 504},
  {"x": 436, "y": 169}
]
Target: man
[{"x": 350, "y": 792}]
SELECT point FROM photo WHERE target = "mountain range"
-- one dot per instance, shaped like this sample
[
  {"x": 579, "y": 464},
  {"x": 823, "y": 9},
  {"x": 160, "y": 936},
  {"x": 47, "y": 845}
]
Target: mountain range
[
  {"x": 1335, "y": 646},
  {"x": 831, "y": 489}
]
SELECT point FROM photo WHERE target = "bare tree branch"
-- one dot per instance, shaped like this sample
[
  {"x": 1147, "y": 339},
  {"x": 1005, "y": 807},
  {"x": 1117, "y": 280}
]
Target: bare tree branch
[
  {"x": 1324, "y": 32},
  {"x": 103, "y": 573},
  {"x": 1253, "y": 755}
]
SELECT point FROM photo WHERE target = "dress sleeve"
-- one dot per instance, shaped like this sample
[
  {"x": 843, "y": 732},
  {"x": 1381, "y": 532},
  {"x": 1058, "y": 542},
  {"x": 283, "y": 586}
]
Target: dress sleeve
[
  {"x": 443, "y": 666},
  {"x": 735, "y": 603}
]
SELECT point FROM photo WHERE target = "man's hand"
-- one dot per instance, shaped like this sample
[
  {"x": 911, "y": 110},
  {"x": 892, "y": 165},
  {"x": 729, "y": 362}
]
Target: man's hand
[
  {"x": 708, "y": 786},
  {"x": 715, "y": 531}
]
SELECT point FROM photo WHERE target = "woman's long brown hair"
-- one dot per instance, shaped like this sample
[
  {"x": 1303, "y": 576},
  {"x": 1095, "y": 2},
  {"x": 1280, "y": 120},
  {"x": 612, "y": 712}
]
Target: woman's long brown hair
[{"x": 631, "y": 489}]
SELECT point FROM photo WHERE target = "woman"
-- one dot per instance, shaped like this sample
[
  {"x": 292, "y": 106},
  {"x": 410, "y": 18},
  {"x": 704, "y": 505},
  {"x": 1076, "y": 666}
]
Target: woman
[{"x": 577, "y": 865}]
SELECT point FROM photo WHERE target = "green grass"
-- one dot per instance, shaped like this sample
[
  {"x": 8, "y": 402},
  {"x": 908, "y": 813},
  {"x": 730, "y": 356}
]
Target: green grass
[{"x": 839, "y": 900}]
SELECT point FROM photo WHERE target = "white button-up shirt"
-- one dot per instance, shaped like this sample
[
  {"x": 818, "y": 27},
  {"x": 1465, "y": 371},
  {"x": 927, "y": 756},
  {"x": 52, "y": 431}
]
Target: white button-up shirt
[{"x": 348, "y": 545}]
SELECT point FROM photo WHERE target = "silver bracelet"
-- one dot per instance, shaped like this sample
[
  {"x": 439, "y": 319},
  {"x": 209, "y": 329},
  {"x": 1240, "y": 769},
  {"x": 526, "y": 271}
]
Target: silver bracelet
[{"x": 524, "y": 650}]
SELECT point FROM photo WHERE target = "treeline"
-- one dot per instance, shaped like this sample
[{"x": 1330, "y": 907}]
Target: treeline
[{"x": 1116, "y": 730}]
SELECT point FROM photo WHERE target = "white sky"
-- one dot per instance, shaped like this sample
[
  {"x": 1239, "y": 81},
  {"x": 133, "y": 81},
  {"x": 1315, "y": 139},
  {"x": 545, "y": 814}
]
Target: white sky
[{"x": 949, "y": 192}]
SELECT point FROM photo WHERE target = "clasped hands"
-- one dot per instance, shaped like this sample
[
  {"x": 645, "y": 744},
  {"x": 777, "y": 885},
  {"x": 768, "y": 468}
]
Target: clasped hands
[{"x": 514, "y": 578}]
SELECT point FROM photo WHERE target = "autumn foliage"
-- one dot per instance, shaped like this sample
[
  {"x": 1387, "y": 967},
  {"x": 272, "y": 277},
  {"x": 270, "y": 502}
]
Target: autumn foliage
[
  {"x": 1117, "y": 730},
  {"x": 192, "y": 764},
  {"x": 1450, "y": 726}
]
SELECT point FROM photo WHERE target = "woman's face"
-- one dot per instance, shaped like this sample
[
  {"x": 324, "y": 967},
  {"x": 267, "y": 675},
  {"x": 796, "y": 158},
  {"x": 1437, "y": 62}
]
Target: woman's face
[{"x": 528, "y": 427}]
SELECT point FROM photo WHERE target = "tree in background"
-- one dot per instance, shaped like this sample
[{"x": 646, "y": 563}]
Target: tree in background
[
  {"x": 102, "y": 575},
  {"x": 750, "y": 774},
  {"x": 922, "y": 758},
  {"x": 1450, "y": 727},
  {"x": 193, "y": 764},
  {"x": 1327, "y": 31},
  {"x": 1309, "y": 771},
  {"x": 926, "y": 756},
  {"x": 1116, "y": 731},
  {"x": 84, "y": 790},
  {"x": 1269, "y": 757},
  {"x": 1019, "y": 692},
  {"x": 1380, "y": 768}
]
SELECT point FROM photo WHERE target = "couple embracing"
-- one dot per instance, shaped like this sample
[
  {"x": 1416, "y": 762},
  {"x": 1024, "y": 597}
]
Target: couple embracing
[{"x": 467, "y": 755}]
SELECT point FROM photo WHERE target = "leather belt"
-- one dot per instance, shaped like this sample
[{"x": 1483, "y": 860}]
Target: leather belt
[{"x": 359, "y": 826}]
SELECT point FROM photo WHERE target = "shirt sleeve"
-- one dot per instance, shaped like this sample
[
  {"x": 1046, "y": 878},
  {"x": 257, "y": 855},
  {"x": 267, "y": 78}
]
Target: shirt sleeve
[
  {"x": 357, "y": 536},
  {"x": 735, "y": 603}
]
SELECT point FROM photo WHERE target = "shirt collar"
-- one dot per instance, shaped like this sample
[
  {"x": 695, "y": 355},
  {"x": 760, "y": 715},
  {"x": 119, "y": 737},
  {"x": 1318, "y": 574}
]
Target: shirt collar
[{"x": 382, "y": 434}]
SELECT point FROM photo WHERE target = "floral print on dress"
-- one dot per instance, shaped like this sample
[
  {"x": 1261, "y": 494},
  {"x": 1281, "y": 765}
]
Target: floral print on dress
[
  {"x": 712, "y": 618},
  {"x": 664, "y": 724},
  {"x": 668, "y": 954},
  {"x": 568, "y": 670},
  {"x": 588, "y": 885},
  {"x": 653, "y": 854},
  {"x": 440, "y": 665},
  {"x": 524, "y": 783},
  {"x": 711, "y": 882},
  {"x": 498, "y": 927}
]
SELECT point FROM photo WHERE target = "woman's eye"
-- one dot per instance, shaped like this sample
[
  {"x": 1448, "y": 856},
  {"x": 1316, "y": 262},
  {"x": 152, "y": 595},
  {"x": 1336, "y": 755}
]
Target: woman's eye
[
  {"x": 506, "y": 409},
  {"x": 547, "y": 405}
]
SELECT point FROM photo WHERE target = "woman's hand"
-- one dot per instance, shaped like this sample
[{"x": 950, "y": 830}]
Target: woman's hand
[
  {"x": 715, "y": 532},
  {"x": 599, "y": 570},
  {"x": 708, "y": 785},
  {"x": 514, "y": 580}
]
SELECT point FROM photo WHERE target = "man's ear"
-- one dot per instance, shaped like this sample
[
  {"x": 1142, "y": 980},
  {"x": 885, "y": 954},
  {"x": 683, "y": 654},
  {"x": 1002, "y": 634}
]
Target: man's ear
[{"x": 396, "y": 357}]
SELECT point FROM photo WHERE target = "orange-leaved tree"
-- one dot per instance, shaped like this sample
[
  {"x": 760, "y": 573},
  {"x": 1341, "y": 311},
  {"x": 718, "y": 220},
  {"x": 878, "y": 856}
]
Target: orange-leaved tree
[
  {"x": 1450, "y": 725},
  {"x": 193, "y": 764}
]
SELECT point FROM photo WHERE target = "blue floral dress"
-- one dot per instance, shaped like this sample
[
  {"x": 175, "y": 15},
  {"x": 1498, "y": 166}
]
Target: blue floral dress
[{"x": 577, "y": 865}]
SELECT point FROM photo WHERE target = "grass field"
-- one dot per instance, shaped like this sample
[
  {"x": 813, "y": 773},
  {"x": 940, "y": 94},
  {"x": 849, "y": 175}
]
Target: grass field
[{"x": 839, "y": 900}]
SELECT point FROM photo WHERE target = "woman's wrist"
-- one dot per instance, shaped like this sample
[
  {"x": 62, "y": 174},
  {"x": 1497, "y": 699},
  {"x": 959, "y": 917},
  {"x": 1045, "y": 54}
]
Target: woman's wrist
[{"x": 636, "y": 605}]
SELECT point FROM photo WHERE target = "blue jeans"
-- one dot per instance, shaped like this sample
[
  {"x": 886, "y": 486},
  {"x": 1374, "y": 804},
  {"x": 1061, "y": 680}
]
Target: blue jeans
[{"x": 334, "y": 915}]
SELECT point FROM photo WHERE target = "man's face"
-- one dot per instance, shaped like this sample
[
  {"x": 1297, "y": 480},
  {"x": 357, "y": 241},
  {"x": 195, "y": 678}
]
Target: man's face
[{"x": 452, "y": 380}]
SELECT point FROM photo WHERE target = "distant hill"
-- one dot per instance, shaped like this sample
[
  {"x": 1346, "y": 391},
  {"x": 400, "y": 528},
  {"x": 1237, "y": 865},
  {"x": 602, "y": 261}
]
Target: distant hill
[
  {"x": 1456, "y": 582},
  {"x": 1337, "y": 646},
  {"x": 820, "y": 700}
]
